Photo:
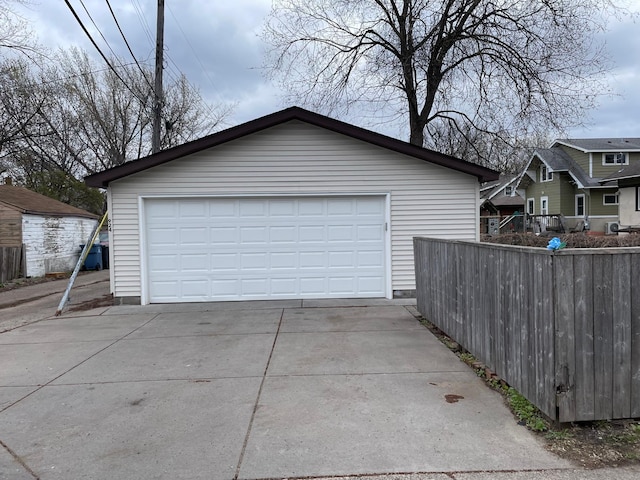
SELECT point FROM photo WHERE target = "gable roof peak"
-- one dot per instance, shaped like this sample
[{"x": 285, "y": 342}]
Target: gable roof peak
[{"x": 102, "y": 179}]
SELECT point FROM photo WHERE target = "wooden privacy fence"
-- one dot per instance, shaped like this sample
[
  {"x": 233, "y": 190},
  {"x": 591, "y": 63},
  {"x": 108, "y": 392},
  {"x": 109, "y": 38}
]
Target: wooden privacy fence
[
  {"x": 563, "y": 328},
  {"x": 10, "y": 263}
]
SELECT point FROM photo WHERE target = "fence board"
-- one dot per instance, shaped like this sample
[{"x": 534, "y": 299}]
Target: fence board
[
  {"x": 621, "y": 314},
  {"x": 603, "y": 335},
  {"x": 563, "y": 328},
  {"x": 10, "y": 263},
  {"x": 565, "y": 339},
  {"x": 583, "y": 306},
  {"x": 635, "y": 337}
]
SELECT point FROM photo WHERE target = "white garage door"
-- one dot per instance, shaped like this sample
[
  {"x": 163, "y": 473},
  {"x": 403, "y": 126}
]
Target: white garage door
[{"x": 210, "y": 249}]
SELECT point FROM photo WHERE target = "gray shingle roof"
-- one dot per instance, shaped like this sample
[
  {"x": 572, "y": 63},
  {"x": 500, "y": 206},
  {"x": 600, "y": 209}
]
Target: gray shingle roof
[
  {"x": 628, "y": 171},
  {"x": 602, "y": 144},
  {"x": 559, "y": 161}
]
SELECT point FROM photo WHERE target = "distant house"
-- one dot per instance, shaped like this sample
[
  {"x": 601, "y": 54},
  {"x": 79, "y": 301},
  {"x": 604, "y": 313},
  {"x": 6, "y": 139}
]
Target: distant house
[
  {"x": 628, "y": 179},
  {"x": 51, "y": 231},
  {"x": 572, "y": 179},
  {"x": 501, "y": 197}
]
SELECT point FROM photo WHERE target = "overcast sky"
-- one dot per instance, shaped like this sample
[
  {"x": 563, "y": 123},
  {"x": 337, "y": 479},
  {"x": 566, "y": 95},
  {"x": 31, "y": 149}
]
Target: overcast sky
[{"x": 216, "y": 45}]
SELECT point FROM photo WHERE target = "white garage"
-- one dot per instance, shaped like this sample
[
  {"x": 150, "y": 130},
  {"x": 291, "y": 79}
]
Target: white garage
[
  {"x": 250, "y": 248},
  {"x": 291, "y": 205}
]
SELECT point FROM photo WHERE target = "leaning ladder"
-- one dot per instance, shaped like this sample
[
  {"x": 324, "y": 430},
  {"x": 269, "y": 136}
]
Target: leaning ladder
[{"x": 83, "y": 257}]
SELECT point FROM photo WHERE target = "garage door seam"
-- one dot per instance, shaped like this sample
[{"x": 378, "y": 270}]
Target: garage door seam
[{"x": 255, "y": 406}]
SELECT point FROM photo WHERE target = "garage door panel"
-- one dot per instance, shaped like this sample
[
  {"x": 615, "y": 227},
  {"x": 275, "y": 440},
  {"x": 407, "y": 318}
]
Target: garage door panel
[
  {"x": 253, "y": 208},
  {"x": 344, "y": 259},
  {"x": 340, "y": 207},
  {"x": 254, "y": 287},
  {"x": 224, "y": 235},
  {"x": 253, "y": 261},
  {"x": 225, "y": 288},
  {"x": 193, "y": 289},
  {"x": 164, "y": 237},
  {"x": 253, "y": 235},
  {"x": 195, "y": 262},
  {"x": 283, "y": 260},
  {"x": 194, "y": 236},
  {"x": 223, "y": 208},
  {"x": 193, "y": 209},
  {"x": 283, "y": 234},
  {"x": 369, "y": 207},
  {"x": 370, "y": 284},
  {"x": 221, "y": 262},
  {"x": 342, "y": 285},
  {"x": 231, "y": 249},
  {"x": 282, "y": 208},
  {"x": 340, "y": 233},
  {"x": 311, "y": 233},
  {"x": 370, "y": 258},
  {"x": 313, "y": 286},
  {"x": 164, "y": 263}
]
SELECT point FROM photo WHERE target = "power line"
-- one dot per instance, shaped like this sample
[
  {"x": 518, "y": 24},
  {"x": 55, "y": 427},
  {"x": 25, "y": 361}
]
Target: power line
[
  {"x": 97, "y": 28},
  {"x": 127, "y": 43},
  {"x": 101, "y": 52},
  {"x": 143, "y": 21},
  {"x": 195, "y": 54}
]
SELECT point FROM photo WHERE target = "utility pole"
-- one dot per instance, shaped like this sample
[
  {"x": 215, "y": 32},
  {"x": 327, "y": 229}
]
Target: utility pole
[{"x": 157, "y": 101}]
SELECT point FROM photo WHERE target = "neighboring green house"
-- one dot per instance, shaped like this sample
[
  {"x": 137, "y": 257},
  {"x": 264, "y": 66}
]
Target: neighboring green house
[{"x": 570, "y": 178}]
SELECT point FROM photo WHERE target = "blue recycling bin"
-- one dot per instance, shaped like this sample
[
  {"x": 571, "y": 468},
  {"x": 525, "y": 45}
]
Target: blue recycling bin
[{"x": 94, "y": 258}]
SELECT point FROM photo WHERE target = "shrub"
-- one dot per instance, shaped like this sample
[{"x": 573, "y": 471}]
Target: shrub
[{"x": 573, "y": 240}]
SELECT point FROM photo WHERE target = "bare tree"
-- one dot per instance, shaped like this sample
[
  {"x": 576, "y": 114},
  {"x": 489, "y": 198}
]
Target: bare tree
[
  {"x": 80, "y": 118},
  {"x": 15, "y": 34},
  {"x": 496, "y": 68}
]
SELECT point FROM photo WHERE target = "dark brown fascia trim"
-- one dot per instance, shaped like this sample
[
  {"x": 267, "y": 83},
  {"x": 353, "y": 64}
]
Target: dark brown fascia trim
[{"x": 102, "y": 179}]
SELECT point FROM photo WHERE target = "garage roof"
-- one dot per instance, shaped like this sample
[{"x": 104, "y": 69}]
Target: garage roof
[{"x": 102, "y": 179}]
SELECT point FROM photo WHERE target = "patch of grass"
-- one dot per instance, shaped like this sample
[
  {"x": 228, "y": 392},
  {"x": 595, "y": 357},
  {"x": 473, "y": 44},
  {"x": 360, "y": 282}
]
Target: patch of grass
[{"x": 526, "y": 411}]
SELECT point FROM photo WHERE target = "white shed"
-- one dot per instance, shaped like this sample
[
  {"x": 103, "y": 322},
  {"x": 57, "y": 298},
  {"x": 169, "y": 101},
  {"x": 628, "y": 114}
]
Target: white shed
[
  {"x": 50, "y": 231},
  {"x": 291, "y": 205}
]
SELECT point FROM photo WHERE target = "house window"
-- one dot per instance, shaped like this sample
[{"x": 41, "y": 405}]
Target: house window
[
  {"x": 508, "y": 190},
  {"x": 531, "y": 208},
  {"x": 545, "y": 174},
  {"x": 610, "y": 199},
  {"x": 580, "y": 205},
  {"x": 544, "y": 205},
  {"x": 615, "y": 159}
]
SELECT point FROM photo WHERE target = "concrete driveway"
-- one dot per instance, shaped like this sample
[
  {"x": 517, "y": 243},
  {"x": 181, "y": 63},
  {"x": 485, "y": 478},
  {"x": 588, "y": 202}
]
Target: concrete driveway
[{"x": 248, "y": 390}]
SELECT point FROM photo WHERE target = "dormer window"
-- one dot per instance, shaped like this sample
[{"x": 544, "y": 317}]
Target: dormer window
[
  {"x": 620, "y": 158},
  {"x": 545, "y": 174},
  {"x": 508, "y": 190}
]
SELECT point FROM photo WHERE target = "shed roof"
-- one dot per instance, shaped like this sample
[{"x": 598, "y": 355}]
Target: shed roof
[
  {"x": 102, "y": 179},
  {"x": 34, "y": 203}
]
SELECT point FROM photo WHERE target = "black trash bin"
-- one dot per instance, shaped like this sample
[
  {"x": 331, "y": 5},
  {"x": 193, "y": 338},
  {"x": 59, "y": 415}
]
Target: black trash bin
[
  {"x": 94, "y": 258},
  {"x": 105, "y": 256}
]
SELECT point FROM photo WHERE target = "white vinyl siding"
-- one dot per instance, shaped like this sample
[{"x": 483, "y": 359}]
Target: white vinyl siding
[{"x": 296, "y": 158}]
